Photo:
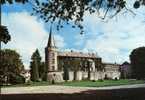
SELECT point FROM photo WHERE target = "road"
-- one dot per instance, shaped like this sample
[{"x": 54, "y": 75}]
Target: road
[{"x": 62, "y": 89}]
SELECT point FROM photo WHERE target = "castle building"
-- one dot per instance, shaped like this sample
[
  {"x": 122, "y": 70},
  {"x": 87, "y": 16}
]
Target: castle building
[
  {"x": 76, "y": 65},
  {"x": 126, "y": 70}
]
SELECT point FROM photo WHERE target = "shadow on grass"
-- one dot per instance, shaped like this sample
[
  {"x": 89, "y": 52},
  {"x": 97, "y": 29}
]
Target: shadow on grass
[{"x": 115, "y": 94}]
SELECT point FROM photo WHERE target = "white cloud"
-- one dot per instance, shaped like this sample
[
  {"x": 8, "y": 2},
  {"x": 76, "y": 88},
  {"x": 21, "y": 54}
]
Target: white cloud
[
  {"x": 27, "y": 33},
  {"x": 114, "y": 40}
]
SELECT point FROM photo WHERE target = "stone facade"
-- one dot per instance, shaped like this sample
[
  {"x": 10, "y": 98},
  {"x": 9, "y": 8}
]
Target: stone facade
[
  {"x": 112, "y": 71},
  {"x": 126, "y": 70},
  {"x": 81, "y": 66}
]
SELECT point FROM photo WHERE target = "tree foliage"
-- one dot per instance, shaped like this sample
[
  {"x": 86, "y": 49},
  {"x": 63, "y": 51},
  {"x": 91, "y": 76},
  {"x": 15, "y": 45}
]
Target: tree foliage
[
  {"x": 11, "y": 65},
  {"x": 13, "y": 1},
  {"x": 70, "y": 11},
  {"x": 137, "y": 58},
  {"x": 76, "y": 66},
  {"x": 38, "y": 68},
  {"x": 138, "y": 3},
  {"x": 73, "y": 10},
  {"x": 66, "y": 72},
  {"x": 4, "y": 34},
  {"x": 99, "y": 65},
  {"x": 43, "y": 71},
  {"x": 34, "y": 65}
]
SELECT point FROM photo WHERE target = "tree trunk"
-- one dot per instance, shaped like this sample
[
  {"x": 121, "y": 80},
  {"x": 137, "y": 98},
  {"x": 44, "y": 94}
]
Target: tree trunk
[
  {"x": 89, "y": 72},
  {"x": 75, "y": 75}
]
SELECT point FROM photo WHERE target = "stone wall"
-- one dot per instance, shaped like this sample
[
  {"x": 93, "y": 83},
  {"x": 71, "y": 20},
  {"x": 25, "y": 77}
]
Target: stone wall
[
  {"x": 55, "y": 76},
  {"x": 84, "y": 75},
  {"x": 112, "y": 75},
  {"x": 79, "y": 75},
  {"x": 71, "y": 76},
  {"x": 112, "y": 71}
]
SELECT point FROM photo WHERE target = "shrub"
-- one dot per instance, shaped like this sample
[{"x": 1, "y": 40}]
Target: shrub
[{"x": 16, "y": 79}]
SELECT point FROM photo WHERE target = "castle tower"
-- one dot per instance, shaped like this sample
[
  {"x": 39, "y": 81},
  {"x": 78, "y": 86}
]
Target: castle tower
[
  {"x": 51, "y": 54},
  {"x": 53, "y": 75}
]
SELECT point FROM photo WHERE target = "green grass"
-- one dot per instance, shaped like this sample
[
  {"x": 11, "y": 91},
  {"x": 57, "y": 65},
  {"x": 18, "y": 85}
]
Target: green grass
[
  {"x": 43, "y": 83},
  {"x": 102, "y": 83},
  {"x": 83, "y": 83}
]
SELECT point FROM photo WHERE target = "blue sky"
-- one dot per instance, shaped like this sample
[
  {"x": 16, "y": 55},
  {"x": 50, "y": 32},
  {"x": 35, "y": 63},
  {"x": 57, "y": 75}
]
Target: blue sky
[{"x": 112, "y": 39}]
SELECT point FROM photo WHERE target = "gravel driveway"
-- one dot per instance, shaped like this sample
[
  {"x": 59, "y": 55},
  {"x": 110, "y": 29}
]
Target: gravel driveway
[{"x": 61, "y": 89}]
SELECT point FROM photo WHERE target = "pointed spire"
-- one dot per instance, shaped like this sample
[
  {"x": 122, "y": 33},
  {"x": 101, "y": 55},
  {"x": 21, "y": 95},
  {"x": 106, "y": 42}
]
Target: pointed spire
[{"x": 50, "y": 39}]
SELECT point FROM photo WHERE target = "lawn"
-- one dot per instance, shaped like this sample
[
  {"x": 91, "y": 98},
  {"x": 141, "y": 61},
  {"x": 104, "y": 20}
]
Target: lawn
[
  {"x": 102, "y": 83},
  {"x": 43, "y": 83},
  {"x": 83, "y": 83}
]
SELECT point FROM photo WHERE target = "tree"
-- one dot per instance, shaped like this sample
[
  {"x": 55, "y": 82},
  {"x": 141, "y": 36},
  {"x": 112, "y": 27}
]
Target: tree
[
  {"x": 11, "y": 67},
  {"x": 137, "y": 58},
  {"x": 13, "y": 1},
  {"x": 138, "y": 3},
  {"x": 35, "y": 65},
  {"x": 72, "y": 11},
  {"x": 75, "y": 63},
  {"x": 43, "y": 71},
  {"x": 45, "y": 76},
  {"x": 4, "y": 35},
  {"x": 66, "y": 72},
  {"x": 88, "y": 68}
]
